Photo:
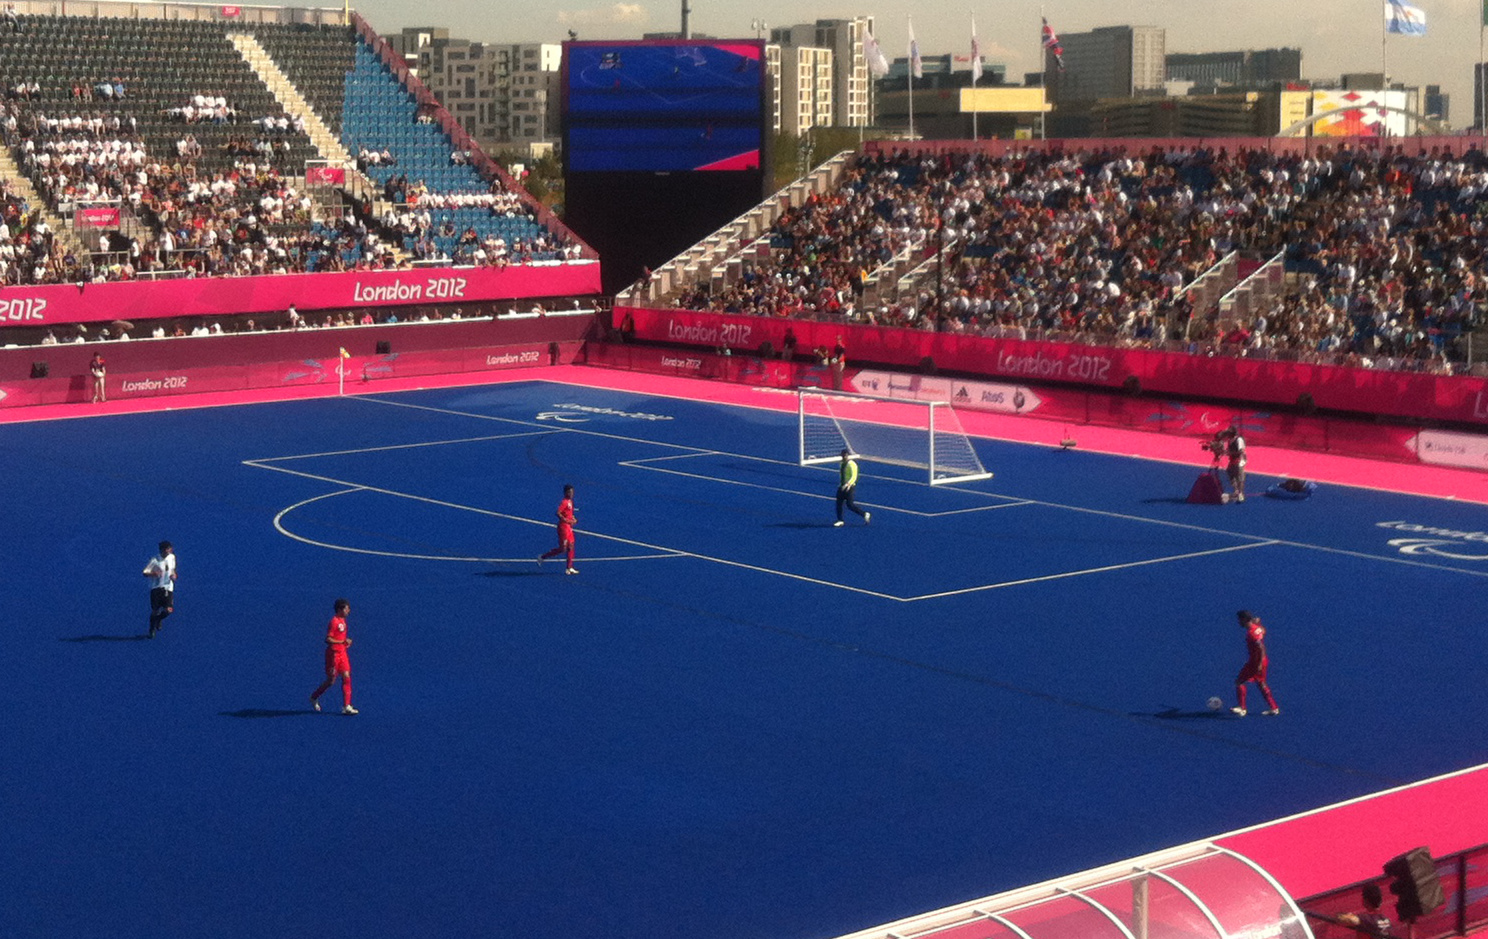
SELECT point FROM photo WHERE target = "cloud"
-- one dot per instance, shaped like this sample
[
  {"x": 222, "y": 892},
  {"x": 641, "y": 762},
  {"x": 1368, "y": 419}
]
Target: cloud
[{"x": 601, "y": 16}]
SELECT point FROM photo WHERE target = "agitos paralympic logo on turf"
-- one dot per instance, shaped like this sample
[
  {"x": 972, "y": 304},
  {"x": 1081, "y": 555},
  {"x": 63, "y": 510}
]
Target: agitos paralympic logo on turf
[{"x": 1440, "y": 542}]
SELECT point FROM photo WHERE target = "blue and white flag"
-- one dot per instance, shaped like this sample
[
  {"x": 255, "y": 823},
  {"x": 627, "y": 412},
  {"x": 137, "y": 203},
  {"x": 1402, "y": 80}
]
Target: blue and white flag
[{"x": 1402, "y": 18}]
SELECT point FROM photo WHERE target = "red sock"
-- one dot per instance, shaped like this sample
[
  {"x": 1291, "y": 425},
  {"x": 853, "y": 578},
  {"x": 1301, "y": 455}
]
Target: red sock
[
  {"x": 325, "y": 686},
  {"x": 1270, "y": 700},
  {"x": 1240, "y": 693},
  {"x": 553, "y": 553},
  {"x": 346, "y": 689},
  {"x": 570, "y": 557}
]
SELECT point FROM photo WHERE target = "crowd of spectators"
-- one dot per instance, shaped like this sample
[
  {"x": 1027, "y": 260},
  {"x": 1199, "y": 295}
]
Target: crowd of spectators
[
  {"x": 204, "y": 109},
  {"x": 1384, "y": 250},
  {"x": 291, "y": 320},
  {"x": 28, "y": 251},
  {"x": 250, "y": 219}
]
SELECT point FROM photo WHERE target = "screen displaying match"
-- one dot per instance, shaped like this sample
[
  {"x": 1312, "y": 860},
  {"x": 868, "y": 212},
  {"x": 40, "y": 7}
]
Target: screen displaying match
[{"x": 664, "y": 105}]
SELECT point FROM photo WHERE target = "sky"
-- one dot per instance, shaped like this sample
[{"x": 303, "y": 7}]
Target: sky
[{"x": 1335, "y": 36}]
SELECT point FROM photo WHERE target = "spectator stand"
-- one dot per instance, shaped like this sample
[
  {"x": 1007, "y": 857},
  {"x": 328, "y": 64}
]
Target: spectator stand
[{"x": 1117, "y": 243}]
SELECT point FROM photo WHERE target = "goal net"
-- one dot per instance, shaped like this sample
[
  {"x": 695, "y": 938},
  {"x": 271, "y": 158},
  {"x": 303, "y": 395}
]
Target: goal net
[{"x": 923, "y": 435}]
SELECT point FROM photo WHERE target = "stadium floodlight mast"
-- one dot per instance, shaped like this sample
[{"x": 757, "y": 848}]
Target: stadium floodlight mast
[{"x": 686, "y": 20}]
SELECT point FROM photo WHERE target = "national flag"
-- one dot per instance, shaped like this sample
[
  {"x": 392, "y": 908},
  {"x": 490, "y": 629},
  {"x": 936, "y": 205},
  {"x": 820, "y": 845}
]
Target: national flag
[
  {"x": 878, "y": 63},
  {"x": 976, "y": 54},
  {"x": 1402, "y": 18},
  {"x": 1051, "y": 44},
  {"x": 344, "y": 353},
  {"x": 916, "y": 67}
]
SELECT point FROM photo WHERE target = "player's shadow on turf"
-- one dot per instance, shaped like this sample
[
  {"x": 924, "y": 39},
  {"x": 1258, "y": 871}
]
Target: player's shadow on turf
[
  {"x": 134, "y": 638},
  {"x": 265, "y": 712},
  {"x": 1167, "y": 500},
  {"x": 800, "y": 525},
  {"x": 1178, "y": 714},
  {"x": 535, "y": 572}
]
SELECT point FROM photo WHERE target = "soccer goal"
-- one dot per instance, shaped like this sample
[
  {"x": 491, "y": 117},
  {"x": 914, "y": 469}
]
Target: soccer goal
[{"x": 923, "y": 435}]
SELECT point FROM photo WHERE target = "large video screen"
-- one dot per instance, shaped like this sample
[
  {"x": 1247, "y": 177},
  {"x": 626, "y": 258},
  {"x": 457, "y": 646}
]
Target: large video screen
[{"x": 664, "y": 106}]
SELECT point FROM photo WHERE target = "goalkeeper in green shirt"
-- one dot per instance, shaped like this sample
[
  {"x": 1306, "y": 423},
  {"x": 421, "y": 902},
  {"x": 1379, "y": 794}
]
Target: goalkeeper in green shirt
[{"x": 847, "y": 484}]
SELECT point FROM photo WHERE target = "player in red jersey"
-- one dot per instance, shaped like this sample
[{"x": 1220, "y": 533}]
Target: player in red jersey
[
  {"x": 566, "y": 522},
  {"x": 1255, "y": 666},
  {"x": 337, "y": 662}
]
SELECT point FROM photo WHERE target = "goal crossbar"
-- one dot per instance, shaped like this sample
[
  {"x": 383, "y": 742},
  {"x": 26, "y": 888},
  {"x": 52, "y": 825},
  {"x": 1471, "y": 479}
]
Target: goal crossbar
[{"x": 923, "y": 435}]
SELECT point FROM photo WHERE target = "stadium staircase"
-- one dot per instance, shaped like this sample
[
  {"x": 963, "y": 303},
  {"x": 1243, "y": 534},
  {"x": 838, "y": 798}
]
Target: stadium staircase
[
  {"x": 62, "y": 229},
  {"x": 325, "y": 141},
  {"x": 719, "y": 258},
  {"x": 382, "y": 113}
]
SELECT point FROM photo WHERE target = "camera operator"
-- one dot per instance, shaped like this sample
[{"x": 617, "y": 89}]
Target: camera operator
[{"x": 1231, "y": 446}]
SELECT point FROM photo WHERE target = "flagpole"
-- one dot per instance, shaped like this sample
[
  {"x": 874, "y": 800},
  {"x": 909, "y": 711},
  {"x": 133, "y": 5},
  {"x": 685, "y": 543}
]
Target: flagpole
[
  {"x": 1384, "y": 78},
  {"x": 1044, "y": 79},
  {"x": 910, "y": 20},
  {"x": 976, "y": 69},
  {"x": 1482, "y": 98}
]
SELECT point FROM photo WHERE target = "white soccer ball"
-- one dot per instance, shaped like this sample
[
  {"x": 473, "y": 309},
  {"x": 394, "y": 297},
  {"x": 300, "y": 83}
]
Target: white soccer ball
[{"x": 1215, "y": 704}]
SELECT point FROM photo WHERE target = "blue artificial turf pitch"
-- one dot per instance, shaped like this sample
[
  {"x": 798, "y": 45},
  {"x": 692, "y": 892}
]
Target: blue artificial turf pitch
[{"x": 736, "y": 721}]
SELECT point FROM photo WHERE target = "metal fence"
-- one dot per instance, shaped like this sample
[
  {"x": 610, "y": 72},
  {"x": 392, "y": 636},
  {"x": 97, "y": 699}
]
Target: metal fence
[{"x": 1464, "y": 882}]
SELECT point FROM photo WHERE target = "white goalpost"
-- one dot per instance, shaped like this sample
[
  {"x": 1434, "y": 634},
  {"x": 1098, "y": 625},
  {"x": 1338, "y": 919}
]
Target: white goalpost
[{"x": 924, "y": 435}]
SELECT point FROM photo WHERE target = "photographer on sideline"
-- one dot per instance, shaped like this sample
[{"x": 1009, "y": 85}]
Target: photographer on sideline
[{"x": 1229, "y": 444}]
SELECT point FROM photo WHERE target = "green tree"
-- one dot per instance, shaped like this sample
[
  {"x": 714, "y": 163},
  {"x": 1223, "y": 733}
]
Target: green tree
[{"x": 796, "y": 156}]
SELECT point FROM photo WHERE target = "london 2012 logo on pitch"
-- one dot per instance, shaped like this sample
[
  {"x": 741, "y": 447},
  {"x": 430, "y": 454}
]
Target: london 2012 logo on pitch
[{"x": 1433, "y": 541}]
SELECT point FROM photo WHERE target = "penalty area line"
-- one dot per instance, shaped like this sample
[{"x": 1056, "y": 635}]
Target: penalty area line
[{"x": 1095, "y": 570}]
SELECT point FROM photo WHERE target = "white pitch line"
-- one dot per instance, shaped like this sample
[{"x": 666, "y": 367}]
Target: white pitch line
[
  {"x": 1092, "y": 570},
  {"x": 592, "y": 534},
  {"x": 279, "y": 526},
  {"x": 392, "y": 446},
  {"x": 690, "y": 450},
  {"x": 700, "y": 451},
  {"x": 876, "y": 506}
]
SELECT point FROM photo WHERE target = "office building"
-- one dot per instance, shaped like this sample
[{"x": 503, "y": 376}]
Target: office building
[
  {"x": 803, "y": 80},
  {"x": 505, "y": 95},
  {"x": 848, "y": 83},
  {"x": 1249, "y": 68},
  {"x": 1110, "y": 62}
]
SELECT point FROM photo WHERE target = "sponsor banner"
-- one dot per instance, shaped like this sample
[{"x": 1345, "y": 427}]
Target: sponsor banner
[
  {"x": 230, "y": 12},
  {"x": 360, "y": 372},
  {"x": 1076, "y": 406},
  {"x": 325, "y": 176},
  {"x": 1449, "y": 449},
  {"x": 1367, "y": 391},
  {"x": 215, "y": 296},
  {"x": 744, "y": 369},
  {"x": 977, "y": 395},
  {"x": 99, "y": 216}
]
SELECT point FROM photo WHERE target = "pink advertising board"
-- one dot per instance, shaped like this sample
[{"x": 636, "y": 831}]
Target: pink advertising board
[
  {"x": 361, "y": 373},
  {"x": 214, "y": 296},
  {"x": 1074, "y": 405},
  {"x": 1368, "y": 391}
]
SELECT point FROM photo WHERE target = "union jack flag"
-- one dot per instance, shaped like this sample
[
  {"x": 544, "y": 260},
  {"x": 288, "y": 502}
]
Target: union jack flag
[{"x": 1051, "y": 44}]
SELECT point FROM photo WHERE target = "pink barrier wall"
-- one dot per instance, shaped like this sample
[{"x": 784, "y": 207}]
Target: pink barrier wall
[
  {"x": 213, "y": 296},
  {"x": 1332, "y": 435},
  {"x": 266, "y": 360},
  {"x": 1395, "y": 394},
  {"x": 1303, "y": 145}
]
